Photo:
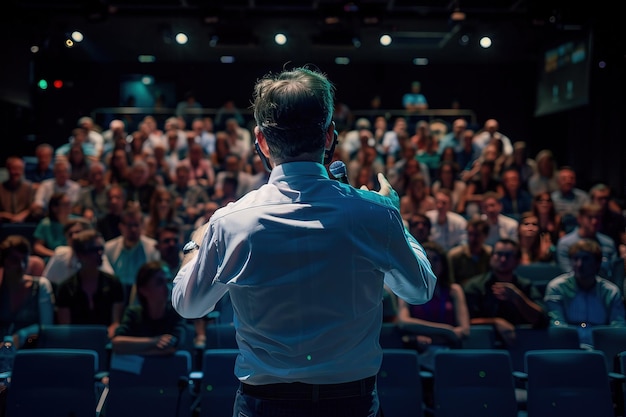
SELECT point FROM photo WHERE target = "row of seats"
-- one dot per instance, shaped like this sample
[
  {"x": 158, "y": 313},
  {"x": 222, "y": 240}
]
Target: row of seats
[
  {"x": 187, "y": 387},
  {"x": 466, "y": 382},
  {"x": 609, "y": 339}
]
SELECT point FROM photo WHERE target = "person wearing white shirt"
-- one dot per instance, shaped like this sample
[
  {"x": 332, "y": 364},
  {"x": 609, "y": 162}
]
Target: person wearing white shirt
[
  {"x": 491, "y": 131},
  {"x": 448, "y": 229},
  {"x": 500, "y": 226},
  {"x": 61, "y": 183}
]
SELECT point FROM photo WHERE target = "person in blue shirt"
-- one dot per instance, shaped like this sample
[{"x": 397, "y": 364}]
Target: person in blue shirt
[
  {"x": 582, "y": 298},
  {"x": 415, "y": 100},
  {"x": 305, "y": 260}
]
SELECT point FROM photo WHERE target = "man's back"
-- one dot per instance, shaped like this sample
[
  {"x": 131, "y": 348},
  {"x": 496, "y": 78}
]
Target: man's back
[{"x": 304, "y": 294}]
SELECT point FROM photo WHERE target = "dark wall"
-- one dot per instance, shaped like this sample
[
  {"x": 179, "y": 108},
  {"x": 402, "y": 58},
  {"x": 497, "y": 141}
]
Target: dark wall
[
  {"x": 504, "y": 92},
  {"x": 590, "y": 138}
]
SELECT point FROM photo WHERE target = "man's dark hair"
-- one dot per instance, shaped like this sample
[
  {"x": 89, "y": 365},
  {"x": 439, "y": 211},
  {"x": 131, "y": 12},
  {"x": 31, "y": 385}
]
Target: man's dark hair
[
  {"x": 294, "y": 109},
  {"x": 480, "y": 225}
]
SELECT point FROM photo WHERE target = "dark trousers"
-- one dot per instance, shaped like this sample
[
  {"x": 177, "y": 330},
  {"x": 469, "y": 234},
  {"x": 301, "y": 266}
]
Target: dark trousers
[{"x": 352, "y": 399}]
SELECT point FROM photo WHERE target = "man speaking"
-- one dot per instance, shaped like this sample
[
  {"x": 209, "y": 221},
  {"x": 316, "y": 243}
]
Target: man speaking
[{"x": 304, "y": 259}]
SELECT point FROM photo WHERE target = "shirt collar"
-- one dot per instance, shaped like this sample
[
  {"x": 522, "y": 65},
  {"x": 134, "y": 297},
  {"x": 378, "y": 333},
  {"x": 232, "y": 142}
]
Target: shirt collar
[{"x": 292, "y": 169}]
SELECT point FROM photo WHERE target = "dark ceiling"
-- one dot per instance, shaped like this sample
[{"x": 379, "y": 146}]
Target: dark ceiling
[{"x": 119, "y": 31}]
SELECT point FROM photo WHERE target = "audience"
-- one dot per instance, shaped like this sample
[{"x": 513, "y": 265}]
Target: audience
[
  {"x": 502, "y": 298},
  {"x": 109, "y": 224},
  {"x": 444, "y": 320},
  {"x": 588, "y": 220},
  {"x": 16, "y": 193},
  {"x": 612, "y": 220},
  {"x": 581, "y": 298},
  {"x": 90, "y": 295},
  {"x": 49, "y": 231},
  {"x": 60, "y": 183},
  {"x": 478, "y": 204},
  {"x": 515, "y": 199},
  {"x": 132, "y": 249},
  {"x": 151, "y": 326},
  {"x": 64, "y": 261},
  {"x": 535, "y": 246},
  {"x": 92, "y": 199},
  {"x": 448, "y": 228},
  {"x": 473, "y": 257},
  {"x": 26, "y": 301},
  {"x": 42, "y": 169},
  {"x": 567, "y": 198},
  {"x": 500, "y": 226},
  {"x": 548, "y": 219},
  {"x": 417, "y": 198}
]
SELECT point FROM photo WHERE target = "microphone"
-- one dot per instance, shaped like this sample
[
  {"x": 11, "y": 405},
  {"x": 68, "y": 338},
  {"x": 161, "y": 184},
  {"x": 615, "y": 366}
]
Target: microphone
[{"x": 339, "y": 171}]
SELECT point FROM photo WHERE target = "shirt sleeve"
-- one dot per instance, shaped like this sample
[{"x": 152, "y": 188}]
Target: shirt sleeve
[
  {"x": 553, "y": 301},
  {"x": 196, "y": 291},
  {"x": 413, "y": 281}
]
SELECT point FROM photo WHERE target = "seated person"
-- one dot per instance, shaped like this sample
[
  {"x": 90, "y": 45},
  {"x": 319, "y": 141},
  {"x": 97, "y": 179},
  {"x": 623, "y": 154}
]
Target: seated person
[
  {"x": 152, "y": 326},
  {"x": 49, "y": 234},
  {"x": 90, "y": 296},
  {"x": 64, "y": 261},
  {"x": 588, "y": 220},
  {"x": 473, "y": 257},
  {"x": 536, "y": 246},
  {"x": 503, "y": 299},
  {"x": 445, "y": 318},
  {"x": 26, "y": 301},
  {"x": 581, "y": 298}
]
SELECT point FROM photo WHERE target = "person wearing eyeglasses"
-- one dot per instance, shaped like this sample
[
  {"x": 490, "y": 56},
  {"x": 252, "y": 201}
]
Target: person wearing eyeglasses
[{"x": 502, "y": 298}]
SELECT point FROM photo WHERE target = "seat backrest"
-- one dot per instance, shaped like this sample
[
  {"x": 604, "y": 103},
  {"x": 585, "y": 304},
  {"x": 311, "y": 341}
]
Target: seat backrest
[
  {"x": 390, "y": 336},
  {"x": 474, "y": 382},
  {"x": 221, "y": 336},
  {"x": 482, "y": 336},
  {"x": 219, "y": 383},
  {"x": 23, "y": 229},
  {"x": 77, "y": 336},
  {"x": 610, "y": 340},
  {"x": 540, "y": 273},
  {"x": 399, "y": 385},
  {"x": 53, "y": 382},
  {"x": 568, "y": 382},
  {"x": 538, "y": 339},
  {"x": 149, "y": 385}
]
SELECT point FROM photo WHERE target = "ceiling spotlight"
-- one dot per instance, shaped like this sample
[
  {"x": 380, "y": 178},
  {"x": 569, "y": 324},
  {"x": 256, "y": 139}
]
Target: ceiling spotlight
[
  {"x": 181, "y": 38},
  {"x": 69, "y": 43},
  {"x": 77, "y": 36},
  {"x": 385, "y": 40},
  {"x": 280, "y": 39},
  {"x": 34, "y": 49},
  {"x": 485, "y": 42}
]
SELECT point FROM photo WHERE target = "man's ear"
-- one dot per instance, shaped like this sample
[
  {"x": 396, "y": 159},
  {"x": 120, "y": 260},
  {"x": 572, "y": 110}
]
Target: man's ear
[
  {"x": 260, "y": 138},
  {"x": 330, "y": 143},
  {"x": 262, "y": 148},
  {"x": 331, "y": 136}
]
